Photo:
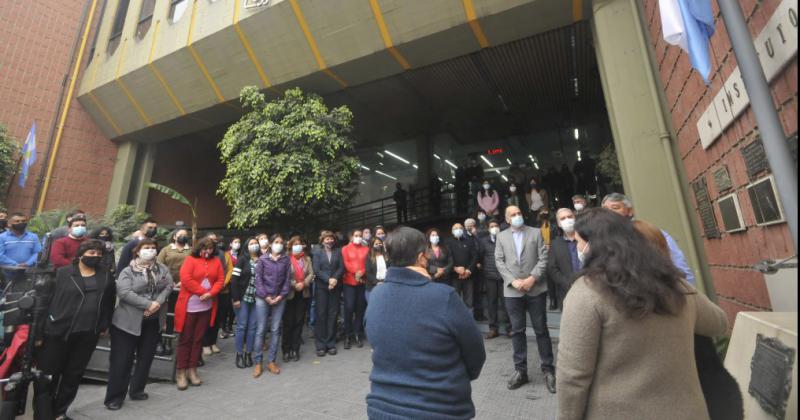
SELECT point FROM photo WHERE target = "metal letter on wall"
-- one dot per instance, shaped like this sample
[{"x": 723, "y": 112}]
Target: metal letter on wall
[
  {"x": 706, "y": 210},
  {"x": 771, "y": 375}
]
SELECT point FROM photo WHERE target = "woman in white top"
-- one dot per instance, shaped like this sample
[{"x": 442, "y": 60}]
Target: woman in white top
[
  {"x": 376, "y": 265},
  {"x": 537, "y": 199}
]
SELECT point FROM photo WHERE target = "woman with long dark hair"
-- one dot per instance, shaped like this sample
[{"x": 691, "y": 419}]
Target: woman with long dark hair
[
  {"x": 488, "y": 199},
  {"x": 273, "y": 281},
  {"x": 243, "y": 295},
  {"x": 627, "y": 329},
  {"x": 440, "y": 262},
  {"x": 376, "y": 267}
]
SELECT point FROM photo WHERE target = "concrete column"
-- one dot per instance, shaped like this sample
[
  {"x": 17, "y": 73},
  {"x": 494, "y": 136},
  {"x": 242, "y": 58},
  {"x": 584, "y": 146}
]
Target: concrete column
[
  {"x": 641, "y": 134},
  {"x": 145, "y": 173},
  {"x": 121, "y": 179}
]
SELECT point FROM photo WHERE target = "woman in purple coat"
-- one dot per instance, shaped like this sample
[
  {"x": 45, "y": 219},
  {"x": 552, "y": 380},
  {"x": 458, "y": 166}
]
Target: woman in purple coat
[{"x": 273, "y": 280}]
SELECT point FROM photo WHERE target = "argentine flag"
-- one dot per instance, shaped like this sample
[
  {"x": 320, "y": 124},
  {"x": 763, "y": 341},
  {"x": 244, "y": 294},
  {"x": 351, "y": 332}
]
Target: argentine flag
[
  {"x": 28, "y": 155},
  {"x": 689, "y": 24}
]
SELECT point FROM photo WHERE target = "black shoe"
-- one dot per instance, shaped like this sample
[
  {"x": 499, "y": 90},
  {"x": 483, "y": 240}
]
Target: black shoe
[
  {"x": 359, "y": 342},
  {"x": 553, "y": 307},
  {"x": 321, "y": 353},
  {"x": 347, "y": 343},
  {"x": 296, "y": 355},
  {"x": 287, "y": 357},
  {"x": 550, "y": 382},
  {"x": 167, "y": 347},
  {"x": 240, "y": 363},
  {"x": 114, "y": 405},
  {"x": 517, "y": 380},
  {"x": 201, "y": 362},
  {"x": 248, "y": 360},
  {"x": 332, "y": 351},
  {"x": 160, "y": 350},
  {"x": 141, "y": 396}
]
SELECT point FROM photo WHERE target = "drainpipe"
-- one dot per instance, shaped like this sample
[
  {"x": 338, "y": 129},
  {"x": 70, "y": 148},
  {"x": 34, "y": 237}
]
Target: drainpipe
[{"x": 769, "y": 124}]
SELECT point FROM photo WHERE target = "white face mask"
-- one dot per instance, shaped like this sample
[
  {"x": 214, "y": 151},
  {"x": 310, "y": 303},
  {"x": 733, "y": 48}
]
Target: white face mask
[
  {"x": 512, "y": 188},
  {"x": 277, "y": 248},
  {"x": 147, "y": 254},
  {"x": 486, "y": 186},
  {"x": 357, "y": 240},
  {"x": 458, "y": 233},
  {"x": 517, "y": 221},
  {"x": 481, "y": 217},
  {"x": 367, "y": 237},
  {"x": 494, "y": 230},
  {"x": 236, "y": 246},
  {"x": 263, "y": 243},
  {"x": 253, "y": 248},
  {"x": 567, "y": 225},
  {"x": 434, "y": 240},
  {"x": 296, "y": 249},
  {"x": 579, "y": 206}
]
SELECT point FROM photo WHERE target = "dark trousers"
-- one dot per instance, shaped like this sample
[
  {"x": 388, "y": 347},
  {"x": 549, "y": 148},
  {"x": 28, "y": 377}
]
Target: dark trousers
[
  {"x": 402, "y": 212},
  {"x": 327, "y": 309},
  {"x": 224, "y": 306},
  {"x": 173, "y": 298},
  {"x": 294, "y": 316},
  {"x": 65, "y": 361},
  {"x": 355, "y": 305},
  {"x": 478, "y": 291},
  {"x": 552, "y": 292},
  {"x": 536, "y": 308},
  {"x": 190, "y": 342},
  {"x": 496, "y": 304},
  {"x": 124, "y": 347},
  {"x": 464, "y": 288}
]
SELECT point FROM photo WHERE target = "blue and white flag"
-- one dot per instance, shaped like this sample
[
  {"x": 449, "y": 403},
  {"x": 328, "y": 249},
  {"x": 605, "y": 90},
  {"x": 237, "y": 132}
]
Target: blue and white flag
[
  {"x": 28, "y": 155},
  {"x": 689, "y": 24}
]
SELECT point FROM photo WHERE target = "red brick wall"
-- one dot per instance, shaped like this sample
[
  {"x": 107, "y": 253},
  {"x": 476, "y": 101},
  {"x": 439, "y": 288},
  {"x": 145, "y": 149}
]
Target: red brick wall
[
  {"x": 36, "y": 44},
  {"x": 730, "y": 257}
]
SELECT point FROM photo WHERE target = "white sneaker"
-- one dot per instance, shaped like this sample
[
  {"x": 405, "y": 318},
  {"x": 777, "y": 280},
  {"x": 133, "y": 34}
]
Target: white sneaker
[
  {"x": 215, "y": 349},
  {"x": 206, "y": 351}
]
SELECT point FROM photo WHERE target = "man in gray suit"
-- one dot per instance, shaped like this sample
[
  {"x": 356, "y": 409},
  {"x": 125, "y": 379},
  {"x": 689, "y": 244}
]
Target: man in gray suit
[{"x": 521, "y": 258}]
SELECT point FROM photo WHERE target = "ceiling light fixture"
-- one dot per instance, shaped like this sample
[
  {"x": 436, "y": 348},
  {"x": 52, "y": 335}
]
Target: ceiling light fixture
[
  {"x": 437, "y": 156},
  {"x": 579, "y": 155},
  {"x": 577, "y": 134},
  {"x": 364, "y": 167},
  {"x": 415, "y": 166},
  {"x": 504, "y": 178},
  {"x": 452, "y": 165},
  {"x": 397, "y": 157},
  {"x": 386, "y": 175},
  {"x": 509, "y": 161},
  {"x": 487, "y": 161}
]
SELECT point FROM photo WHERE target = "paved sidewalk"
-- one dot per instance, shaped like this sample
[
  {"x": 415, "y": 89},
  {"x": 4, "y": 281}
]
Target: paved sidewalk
[{"x": 314, "y": 388}]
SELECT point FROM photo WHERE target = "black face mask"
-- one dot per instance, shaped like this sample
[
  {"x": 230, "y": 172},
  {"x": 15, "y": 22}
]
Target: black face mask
[
  {"x": 150, "y": 233},
  {"x": 19, "y": 227},
  {"x": 104, "y": 238},
  {"x": 183, "y": 240},
  {"x": 91, "y": 261},
  {"x": 3, "y": 223}
]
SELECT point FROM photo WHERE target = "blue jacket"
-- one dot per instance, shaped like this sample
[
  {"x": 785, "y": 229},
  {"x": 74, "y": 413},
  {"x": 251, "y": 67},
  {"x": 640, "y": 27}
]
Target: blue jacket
[
  {"x": 426, "y": 350},
  {"x": 324, "y": 269},
  {"x": 15, "y": 250}
]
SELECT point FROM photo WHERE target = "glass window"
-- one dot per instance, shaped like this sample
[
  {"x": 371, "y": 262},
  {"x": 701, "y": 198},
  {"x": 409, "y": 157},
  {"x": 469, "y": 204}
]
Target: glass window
[
  {"x": 145, "y": 18},
  {"x": 176, "y": 9},
  {"x": 119, "y": 24}
]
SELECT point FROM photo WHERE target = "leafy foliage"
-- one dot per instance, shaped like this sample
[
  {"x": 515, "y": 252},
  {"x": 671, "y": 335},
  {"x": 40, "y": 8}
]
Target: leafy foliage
[
  {"x": 289, "y": 157},
  {"x": 124, "y": 220},
  {"x": 48, "y": 221},
  {"x": 608, "y": 165},
  {"x": 9, "y": 153},
  {"x": 175, "y": 195}
]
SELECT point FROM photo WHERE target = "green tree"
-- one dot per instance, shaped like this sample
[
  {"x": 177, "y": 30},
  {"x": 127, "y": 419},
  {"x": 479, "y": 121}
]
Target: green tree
[
  {"x": 289, "y": 157},
  {"x": 9, "y": 153},
  {"x": 608, "y": 165}
]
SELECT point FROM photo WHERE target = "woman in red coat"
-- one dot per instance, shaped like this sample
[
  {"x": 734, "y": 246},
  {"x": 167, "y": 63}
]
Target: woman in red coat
[
  {"x": 354, "y": 256},
  {"x": 202, "y": 278}
]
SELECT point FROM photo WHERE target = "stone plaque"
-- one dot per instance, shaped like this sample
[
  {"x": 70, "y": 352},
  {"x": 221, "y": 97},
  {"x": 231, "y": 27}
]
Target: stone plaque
[
  {"x": 705, "y": 208},
  {"x": 755, "y": 160},
  {"x": 771, "y": 375},
  {"x": 722, "y": 179}
]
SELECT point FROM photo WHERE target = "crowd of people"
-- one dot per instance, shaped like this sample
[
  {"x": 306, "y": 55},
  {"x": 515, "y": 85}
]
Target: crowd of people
[{"x": 415, "y": 295}]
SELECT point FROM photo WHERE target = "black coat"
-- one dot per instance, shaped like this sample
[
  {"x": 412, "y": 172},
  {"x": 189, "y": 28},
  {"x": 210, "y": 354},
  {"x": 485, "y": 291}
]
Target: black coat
[
  {"x": 324, "y": 269},
  {"x": 240, "y": 278},
  {"x": 487, "y": 258},
  {"x": 371, "y": 272},
  {"x": 464, "y": 253},
  {"x": 559, "y": 266},
  {"x": 63, "y": 297},
  {"x": 445, "y": 260}
]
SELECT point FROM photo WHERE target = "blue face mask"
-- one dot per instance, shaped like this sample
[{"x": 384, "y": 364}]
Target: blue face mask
[
  {"x": 517, "y": 221},
  {"x": 79, "y": 231}
]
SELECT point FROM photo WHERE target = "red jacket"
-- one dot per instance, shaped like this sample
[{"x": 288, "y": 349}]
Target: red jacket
[
  {"x": 63, "y": 251},
  {"x": 193, "y": 271},
  {"x": 355, "y": 259}
]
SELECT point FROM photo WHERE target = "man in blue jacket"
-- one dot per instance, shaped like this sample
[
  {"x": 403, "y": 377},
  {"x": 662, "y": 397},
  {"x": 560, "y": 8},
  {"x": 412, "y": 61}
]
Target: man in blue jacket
[{"x": 19, "y": 249}]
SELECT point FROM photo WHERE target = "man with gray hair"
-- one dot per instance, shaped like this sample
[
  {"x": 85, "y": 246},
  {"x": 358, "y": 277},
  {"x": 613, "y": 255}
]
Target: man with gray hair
[
  {"x": 562, "y": 259},
  {"x": 622, "y": 205}
]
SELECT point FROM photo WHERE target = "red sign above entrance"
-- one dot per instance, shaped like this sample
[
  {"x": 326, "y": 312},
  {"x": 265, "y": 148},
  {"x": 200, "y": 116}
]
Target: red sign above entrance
[{"x": 492, "y": 152}]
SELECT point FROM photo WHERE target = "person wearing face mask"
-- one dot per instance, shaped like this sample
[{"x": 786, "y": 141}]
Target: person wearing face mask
[
  {"x": 105, "y": 234},
  {"x": 537, "y": 198},
  {"x": 78, "y": 304},
  {"x": 297, "y": 300},
  {"x": 231, "y": 257},
  {"x": 376, "y": 266},
  {"x": 473, "y": 231},
  {"x": 243, "y": 295},
  {"x": 328, "y": 271},
  {"x": 380, "y": 232},
  {"x": 514, "y": 198},
  {"x": 440, "y": 261},
  {"x": 465, "y": 260},
  {"x": 63, "y": 231},
  {"x": 521, "y": 258},
  {"x": 63, "y": 250},
  {"x": 418, "y": 375},
  {"x": 562, "y": 260},
  {"x": 172, "y": 256},
  {"x": 366, "y": 235},
  {"x": 494, "y": 282},
  {"x": 263, "y": 242},
  {"x": 488, "y": 198},
  {"x": 142, "y": 290},
  {"x": 202, "y": 278},
  {"x": 273, "y": 283},
  {"x": 149, "y": 229},
  {"x": 19, "y": 249},
  {"x": 224, "y": 304},
  {"x": 579, "y": 203},
  {"x": 354, "y": 257}
]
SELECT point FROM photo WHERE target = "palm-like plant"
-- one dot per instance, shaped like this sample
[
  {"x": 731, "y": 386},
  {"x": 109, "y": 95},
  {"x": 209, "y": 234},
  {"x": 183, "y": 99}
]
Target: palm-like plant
[{"x": 171, "y": 193}]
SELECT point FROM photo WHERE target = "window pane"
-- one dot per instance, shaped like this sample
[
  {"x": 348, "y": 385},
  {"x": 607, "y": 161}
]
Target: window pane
[
  {"x": 177, "y": 9},
  {"x": 147, "y": 9},
  {"x": 119, "y": 18}
]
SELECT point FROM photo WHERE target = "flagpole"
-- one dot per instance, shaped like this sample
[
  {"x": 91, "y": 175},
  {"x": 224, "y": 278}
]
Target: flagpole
[{"x": 769, "y": 124}]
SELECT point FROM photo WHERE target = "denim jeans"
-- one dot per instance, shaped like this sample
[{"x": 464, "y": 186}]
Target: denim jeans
[
  {"x": 246, "y": 323},
  {"x": 312, "y": 315},
  {"x": 263, "y": 312},
  {"x": 536, "y": 308}
]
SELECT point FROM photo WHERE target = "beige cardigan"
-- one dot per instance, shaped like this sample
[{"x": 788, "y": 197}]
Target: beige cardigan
[{"x": 614, "y": 367}]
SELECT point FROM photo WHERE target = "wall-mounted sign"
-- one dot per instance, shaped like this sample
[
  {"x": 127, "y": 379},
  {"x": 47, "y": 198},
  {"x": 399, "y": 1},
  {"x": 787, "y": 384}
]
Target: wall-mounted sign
[
  {"x": 722, "y": 179},
  {"x": 704, "y": 207},
  {"x": 731, "y": 213},
  {"x": 755, "y": 159},
  {"x": 497, "y": 151},
  {"x": 764, "y": 200},
  {"x": 776, "y": 45},
  {"x": 771, "y": 375}
]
